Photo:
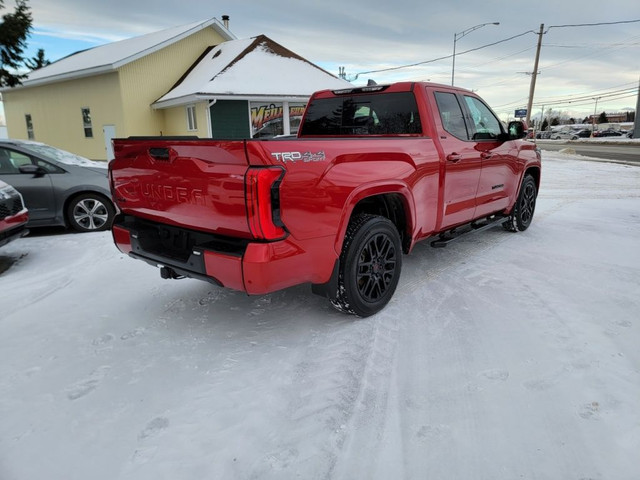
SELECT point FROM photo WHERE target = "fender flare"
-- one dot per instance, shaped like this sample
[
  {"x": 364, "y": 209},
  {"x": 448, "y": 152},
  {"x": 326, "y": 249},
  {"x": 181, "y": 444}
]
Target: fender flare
[{"x": 371, "y": 190}]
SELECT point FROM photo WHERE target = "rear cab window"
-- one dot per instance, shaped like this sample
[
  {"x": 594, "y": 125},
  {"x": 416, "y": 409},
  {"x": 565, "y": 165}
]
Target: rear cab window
[{"x": 393, "y": 113}]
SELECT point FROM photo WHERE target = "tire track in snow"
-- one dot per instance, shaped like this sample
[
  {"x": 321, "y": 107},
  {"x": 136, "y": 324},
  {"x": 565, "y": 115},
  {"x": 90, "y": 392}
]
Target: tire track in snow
[
  {"x": 372, "y": 437},
  {"x": 326, "y": 386},
  {"x": 56, "y": 283},
  {"x": 338, "y": 400}
]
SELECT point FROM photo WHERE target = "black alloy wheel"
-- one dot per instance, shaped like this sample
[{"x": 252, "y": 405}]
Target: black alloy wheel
[
  {"x": 524, "y": 208},
  {"x": 370, "y": 266}
]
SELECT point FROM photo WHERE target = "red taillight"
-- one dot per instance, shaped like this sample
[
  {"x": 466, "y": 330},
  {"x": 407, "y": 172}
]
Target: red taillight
[{"x": 263, "y": 202}]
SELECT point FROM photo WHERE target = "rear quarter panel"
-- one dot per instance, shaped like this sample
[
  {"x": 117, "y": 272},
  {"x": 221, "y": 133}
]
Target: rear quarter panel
[{"x": 326, "y": 178}]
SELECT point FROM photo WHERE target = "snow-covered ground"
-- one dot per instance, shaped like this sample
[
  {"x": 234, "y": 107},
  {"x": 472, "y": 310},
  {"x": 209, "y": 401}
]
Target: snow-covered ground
[{"x": 503, "y": 356}]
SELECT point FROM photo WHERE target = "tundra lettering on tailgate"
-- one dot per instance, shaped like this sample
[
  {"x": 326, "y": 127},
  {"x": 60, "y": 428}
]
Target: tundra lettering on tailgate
[{"x": 154, "y": 191}]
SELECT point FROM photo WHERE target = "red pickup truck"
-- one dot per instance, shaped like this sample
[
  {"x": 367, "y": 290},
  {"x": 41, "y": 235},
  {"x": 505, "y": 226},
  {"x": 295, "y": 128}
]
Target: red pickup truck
[{"x": 372, "y": 171}]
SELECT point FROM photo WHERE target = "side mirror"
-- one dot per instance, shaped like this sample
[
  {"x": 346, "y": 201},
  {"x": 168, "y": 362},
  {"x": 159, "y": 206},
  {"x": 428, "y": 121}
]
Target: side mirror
[
  {"x": 517, "y": 130},
  {"x": 34, "y": 170}
]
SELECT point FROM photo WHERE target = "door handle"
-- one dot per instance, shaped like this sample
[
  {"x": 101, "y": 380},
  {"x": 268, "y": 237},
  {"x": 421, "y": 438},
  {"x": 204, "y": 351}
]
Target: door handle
[
  {"x": 486, "y": 156},
  {"x": 454, "y": 157}
]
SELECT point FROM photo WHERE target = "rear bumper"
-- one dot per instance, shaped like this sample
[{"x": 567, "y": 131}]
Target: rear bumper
[{"x": 252, "y": 267}]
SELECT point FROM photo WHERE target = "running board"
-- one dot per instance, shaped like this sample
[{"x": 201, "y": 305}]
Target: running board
[{"x": 449, "y": 236}]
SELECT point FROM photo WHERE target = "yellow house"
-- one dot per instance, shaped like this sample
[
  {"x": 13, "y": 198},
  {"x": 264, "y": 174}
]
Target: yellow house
[{"x": 82, "y": 101}]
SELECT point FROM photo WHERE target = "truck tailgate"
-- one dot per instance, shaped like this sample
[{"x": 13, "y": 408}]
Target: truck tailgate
[{"x": 196, "y": 184}]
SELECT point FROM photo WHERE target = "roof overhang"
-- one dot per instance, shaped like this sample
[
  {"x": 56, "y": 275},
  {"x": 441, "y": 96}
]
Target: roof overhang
[
  {"x": 213, "y": 23},
  {"x": 211, "y": 97},
  {"x": 89, "y": 72}
]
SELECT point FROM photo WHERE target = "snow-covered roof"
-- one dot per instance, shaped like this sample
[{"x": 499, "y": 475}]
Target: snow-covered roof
[
  {"x": 250, "y": 68},
  {"x": 114, "y": 55}
]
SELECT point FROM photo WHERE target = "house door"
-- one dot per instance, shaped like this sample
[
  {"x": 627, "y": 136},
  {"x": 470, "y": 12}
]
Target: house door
[{"x": 109, "y": 134}]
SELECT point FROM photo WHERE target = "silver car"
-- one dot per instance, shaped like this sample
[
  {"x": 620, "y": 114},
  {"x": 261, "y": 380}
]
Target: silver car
[{"x": 58, "y": 187}]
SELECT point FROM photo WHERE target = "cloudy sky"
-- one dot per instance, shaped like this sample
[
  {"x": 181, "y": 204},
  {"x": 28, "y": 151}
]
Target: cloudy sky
[{"x": 577, "y": 63}]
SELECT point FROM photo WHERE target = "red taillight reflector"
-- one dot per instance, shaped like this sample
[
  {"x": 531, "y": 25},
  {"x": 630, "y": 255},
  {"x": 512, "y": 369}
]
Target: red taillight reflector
[{"x": 263, "y": 203}]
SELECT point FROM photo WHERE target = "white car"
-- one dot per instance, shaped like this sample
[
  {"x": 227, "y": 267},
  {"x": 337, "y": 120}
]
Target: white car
[{"x": 564, "y": 136}]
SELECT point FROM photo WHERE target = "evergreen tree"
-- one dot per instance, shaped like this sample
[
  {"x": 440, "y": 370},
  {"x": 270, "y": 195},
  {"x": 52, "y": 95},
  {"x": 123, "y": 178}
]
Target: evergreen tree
[
  {"x": 14, "y": 30},
  {"x": 603, "y": 118},
  {"x": 38, "y": 61}
]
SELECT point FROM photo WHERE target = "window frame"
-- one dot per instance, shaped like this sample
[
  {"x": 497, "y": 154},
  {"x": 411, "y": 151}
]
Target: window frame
[
  {"x": 87, "y": 126},
  {"x": 463, "y": 113},
  {"x": 192, "y": 118},
  {"x": 474, "y": 134}
]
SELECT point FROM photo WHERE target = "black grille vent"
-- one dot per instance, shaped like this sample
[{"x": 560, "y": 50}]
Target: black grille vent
[{"x": 10, "y": 207}]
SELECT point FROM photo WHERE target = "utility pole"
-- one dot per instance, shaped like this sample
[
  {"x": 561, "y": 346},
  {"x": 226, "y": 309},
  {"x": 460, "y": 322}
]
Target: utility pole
[
  {"x": 593, "y": 119},
  {"x": 636, "y": 122},
  {"x": 534, "y": 75}
]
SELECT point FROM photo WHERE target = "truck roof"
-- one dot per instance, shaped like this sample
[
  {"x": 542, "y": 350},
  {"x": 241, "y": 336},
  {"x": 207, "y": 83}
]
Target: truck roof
[{"x": 390, "y": 88}]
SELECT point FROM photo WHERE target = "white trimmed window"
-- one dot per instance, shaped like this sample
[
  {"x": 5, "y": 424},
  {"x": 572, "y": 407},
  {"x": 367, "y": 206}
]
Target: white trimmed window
[
  {"x": 86, "y": 122},
  {"x": 192, "y": 123}
]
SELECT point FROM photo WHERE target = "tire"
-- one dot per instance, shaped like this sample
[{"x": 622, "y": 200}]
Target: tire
[
  {"x": 370, "y": 266},
  {"x": 90, "y": 212},
  {"x": 523, "y": 210}
]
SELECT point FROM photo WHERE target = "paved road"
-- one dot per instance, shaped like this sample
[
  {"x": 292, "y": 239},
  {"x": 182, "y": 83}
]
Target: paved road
[{"x": 625, "y": 153}]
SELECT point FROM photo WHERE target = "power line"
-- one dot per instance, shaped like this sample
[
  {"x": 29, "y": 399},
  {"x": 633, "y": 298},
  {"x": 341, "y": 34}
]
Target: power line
[
  {"x": 590, "y": 96},
  {"x": 621, "y": 92},
  {"x": 591, "y": 24},
  {"x": 584, "y": 102},
  {"x": 389, "y": 69},
  {"x": 616, "y": 46},
  {"x": 470, "y": 67},
  {"x": 441, "y": 58}
]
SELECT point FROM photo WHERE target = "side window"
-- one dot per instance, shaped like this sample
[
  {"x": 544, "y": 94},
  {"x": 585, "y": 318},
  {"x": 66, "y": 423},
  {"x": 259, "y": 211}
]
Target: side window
[
  {"x": 20, "y": 159},
  {"x": 192, "y": 124},
  {"x": 86, "y": 122},
  {"x": 11, "y": 161},
  {"x": 6, "y": 165},
  {"x": 487, "y": 126},
  {"x": 451, "y": 115},
  {"x": 49, "y": 167}
]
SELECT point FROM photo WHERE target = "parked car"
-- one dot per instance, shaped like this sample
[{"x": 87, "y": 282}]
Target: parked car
[
  {"x": 607, "y": 133},
  {"x": 584, "y": 133},
  {"x": 562, "y": 136},
  {"x": 59, "y": 188},
  {"x": 13, "y": 214},
  {"x": 543, "y": 135}
]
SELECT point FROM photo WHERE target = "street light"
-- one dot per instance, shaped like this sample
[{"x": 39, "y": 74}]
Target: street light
[{"x": 456, "y": 36}]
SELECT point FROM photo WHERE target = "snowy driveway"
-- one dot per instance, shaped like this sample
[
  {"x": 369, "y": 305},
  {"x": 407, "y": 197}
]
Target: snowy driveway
[{"x": 503, "y": 356}]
